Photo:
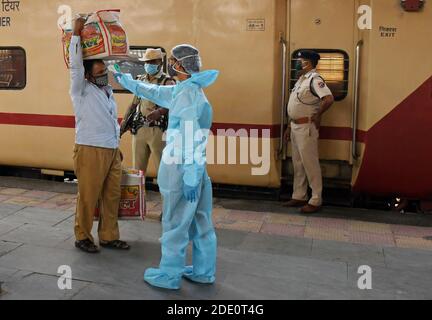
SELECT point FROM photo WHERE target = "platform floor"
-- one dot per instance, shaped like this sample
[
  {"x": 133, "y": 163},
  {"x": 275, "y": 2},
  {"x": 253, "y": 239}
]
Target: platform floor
[{"x": 265, "y": 251}]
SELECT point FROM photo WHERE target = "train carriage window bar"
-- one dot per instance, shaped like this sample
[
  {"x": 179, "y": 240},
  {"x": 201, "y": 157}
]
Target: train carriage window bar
[
  {"x": 12, "y": 68},
  {"x": 333, "y": 67}
]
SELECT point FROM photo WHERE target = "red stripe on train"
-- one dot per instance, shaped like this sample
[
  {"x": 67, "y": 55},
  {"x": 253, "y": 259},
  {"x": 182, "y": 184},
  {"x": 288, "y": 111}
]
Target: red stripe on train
[
  {"x": 398, "y": 155},
  {"x": 59, "y": 121},
  {"x": 37, "y": 120}
]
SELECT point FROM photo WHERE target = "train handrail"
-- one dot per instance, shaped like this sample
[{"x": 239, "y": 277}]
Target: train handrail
[
  {"x": 355, "y": 154},
  {"x": 283, "y": 98}
]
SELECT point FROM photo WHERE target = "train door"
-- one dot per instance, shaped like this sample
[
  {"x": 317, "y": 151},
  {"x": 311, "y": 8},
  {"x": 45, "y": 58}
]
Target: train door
[{"x": 328, "y": 27}]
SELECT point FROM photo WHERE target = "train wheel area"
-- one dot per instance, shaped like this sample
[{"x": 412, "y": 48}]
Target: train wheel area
[{"x": 304, "y": 257}]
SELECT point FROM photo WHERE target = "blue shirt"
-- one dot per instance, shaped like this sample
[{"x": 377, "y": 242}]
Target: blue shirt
[{"x": 96, "y": 121}]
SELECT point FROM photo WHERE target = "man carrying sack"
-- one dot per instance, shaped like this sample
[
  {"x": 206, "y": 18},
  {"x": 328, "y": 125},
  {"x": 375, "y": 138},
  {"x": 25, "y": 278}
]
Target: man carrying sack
[{"x": 97, "y": 158}]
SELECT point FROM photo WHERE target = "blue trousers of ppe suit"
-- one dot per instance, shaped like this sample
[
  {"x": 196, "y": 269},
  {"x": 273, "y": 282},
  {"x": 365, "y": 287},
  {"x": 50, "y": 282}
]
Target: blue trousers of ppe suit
[{"x": 183, "y": 222}]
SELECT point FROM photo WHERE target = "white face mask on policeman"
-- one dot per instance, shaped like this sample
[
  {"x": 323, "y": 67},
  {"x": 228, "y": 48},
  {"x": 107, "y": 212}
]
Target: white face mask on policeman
[{"x": 152, "y": 69}]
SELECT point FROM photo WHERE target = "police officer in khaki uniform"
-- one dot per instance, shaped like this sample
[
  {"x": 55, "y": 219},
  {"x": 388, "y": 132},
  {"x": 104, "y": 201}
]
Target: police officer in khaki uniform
[
  {"x": 150, "y": 121},
  {"x": 309, "y": 100}
]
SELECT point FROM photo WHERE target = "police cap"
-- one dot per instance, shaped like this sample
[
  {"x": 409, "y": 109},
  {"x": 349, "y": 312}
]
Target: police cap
[{"x": 309, "y": 55}]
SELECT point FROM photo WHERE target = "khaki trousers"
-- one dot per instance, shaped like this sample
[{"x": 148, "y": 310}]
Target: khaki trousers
[
  {"x": 147, "y": 141},
  {"x": 304, "y": 140},
  {"x": 99, "y": 177}
]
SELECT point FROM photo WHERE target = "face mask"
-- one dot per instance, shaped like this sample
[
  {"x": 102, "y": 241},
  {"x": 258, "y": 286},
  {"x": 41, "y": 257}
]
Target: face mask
[
  {"x": 101, "y": 81},
  {"x": 299, "y": 66},
  {"x": 191, "y": 56},
  {"x": 171, "y": 71},
  {"x": 151, "y": 69}
]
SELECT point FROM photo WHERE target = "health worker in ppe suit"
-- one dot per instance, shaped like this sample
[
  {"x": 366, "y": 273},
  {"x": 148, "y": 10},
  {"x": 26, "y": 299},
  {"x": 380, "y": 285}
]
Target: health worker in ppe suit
[{"x": 183, "y": 181}]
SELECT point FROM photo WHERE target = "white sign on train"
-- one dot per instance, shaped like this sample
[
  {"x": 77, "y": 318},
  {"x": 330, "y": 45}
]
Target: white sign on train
[{"x": 256, "y": 25}]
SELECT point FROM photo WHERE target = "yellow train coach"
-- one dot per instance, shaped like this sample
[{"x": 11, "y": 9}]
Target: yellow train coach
[{"x": 376, "y": 58}]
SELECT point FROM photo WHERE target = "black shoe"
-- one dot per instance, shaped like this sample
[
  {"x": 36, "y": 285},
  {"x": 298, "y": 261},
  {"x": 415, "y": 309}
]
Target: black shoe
[
  {"x": 86, "y": 246},
  {"x": 116, "y": 244},
  {"x": 309, "y": 209},
  {"x": 295, "y": 203}
]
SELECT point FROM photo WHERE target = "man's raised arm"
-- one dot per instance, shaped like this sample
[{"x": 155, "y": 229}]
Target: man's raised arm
[{"x": 76, "y": 60}]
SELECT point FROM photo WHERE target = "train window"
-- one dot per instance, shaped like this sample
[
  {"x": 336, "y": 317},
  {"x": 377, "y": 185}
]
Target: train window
[
  {"x": 12, "y": 68},
  {"x": 333, "y": 67},
  {"x": 134, "y": 67}
]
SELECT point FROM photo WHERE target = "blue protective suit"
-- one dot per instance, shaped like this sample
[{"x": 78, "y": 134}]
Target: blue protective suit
[{"x": 183, "y": 220}]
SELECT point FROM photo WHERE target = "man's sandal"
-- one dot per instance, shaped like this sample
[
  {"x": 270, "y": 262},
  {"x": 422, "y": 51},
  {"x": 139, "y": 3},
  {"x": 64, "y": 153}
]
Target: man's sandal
[
  {"x": 86, "y": 246},
  {"x": 116, "y": 244}
]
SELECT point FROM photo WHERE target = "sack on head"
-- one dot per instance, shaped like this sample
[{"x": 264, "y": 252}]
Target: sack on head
[{"x": 103, "y": 37}]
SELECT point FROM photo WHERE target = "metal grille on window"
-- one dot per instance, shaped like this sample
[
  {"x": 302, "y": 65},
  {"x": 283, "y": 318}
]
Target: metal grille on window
[
  {"x": 12, "y": 68},
  {"x": 333, "y": 67},
  {"x": 132, "y": 66}
]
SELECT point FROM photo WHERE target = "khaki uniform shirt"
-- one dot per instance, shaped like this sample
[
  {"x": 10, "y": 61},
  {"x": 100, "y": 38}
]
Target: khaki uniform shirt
[
  {"x": 303, "y": 103},
  {"x": 147, "y": 106}
]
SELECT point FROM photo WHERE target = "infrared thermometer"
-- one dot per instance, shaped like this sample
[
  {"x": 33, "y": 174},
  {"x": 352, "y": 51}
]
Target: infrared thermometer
[{"x": 114, "y": 68}]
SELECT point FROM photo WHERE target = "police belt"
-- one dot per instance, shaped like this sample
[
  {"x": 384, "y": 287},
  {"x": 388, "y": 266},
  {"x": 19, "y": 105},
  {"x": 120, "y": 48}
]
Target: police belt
[
  {"x": 304, "y": 120},
  {"x": 144, "y": 123}
]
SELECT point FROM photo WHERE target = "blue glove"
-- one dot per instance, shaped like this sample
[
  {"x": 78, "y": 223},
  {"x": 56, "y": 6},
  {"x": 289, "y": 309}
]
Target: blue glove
[
  {"x": 190, "y": 193},
  {"x": 118, "y": 76},
  {"x": 126, "y": 81}
]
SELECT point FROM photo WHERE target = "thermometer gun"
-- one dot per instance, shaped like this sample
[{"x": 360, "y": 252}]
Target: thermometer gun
[{"x": 114, "y": 68}]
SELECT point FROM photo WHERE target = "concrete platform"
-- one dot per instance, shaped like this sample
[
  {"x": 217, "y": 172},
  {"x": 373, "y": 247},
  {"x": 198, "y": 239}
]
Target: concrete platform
[{"x": 263, "y": 254}]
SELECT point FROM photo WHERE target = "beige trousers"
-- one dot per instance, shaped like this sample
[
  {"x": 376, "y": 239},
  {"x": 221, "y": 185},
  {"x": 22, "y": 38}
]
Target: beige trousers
[
  {"x": 147, "y": 141},
  {"x": 99, "y": 177},
  {"x": 304, "y": 140}
]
